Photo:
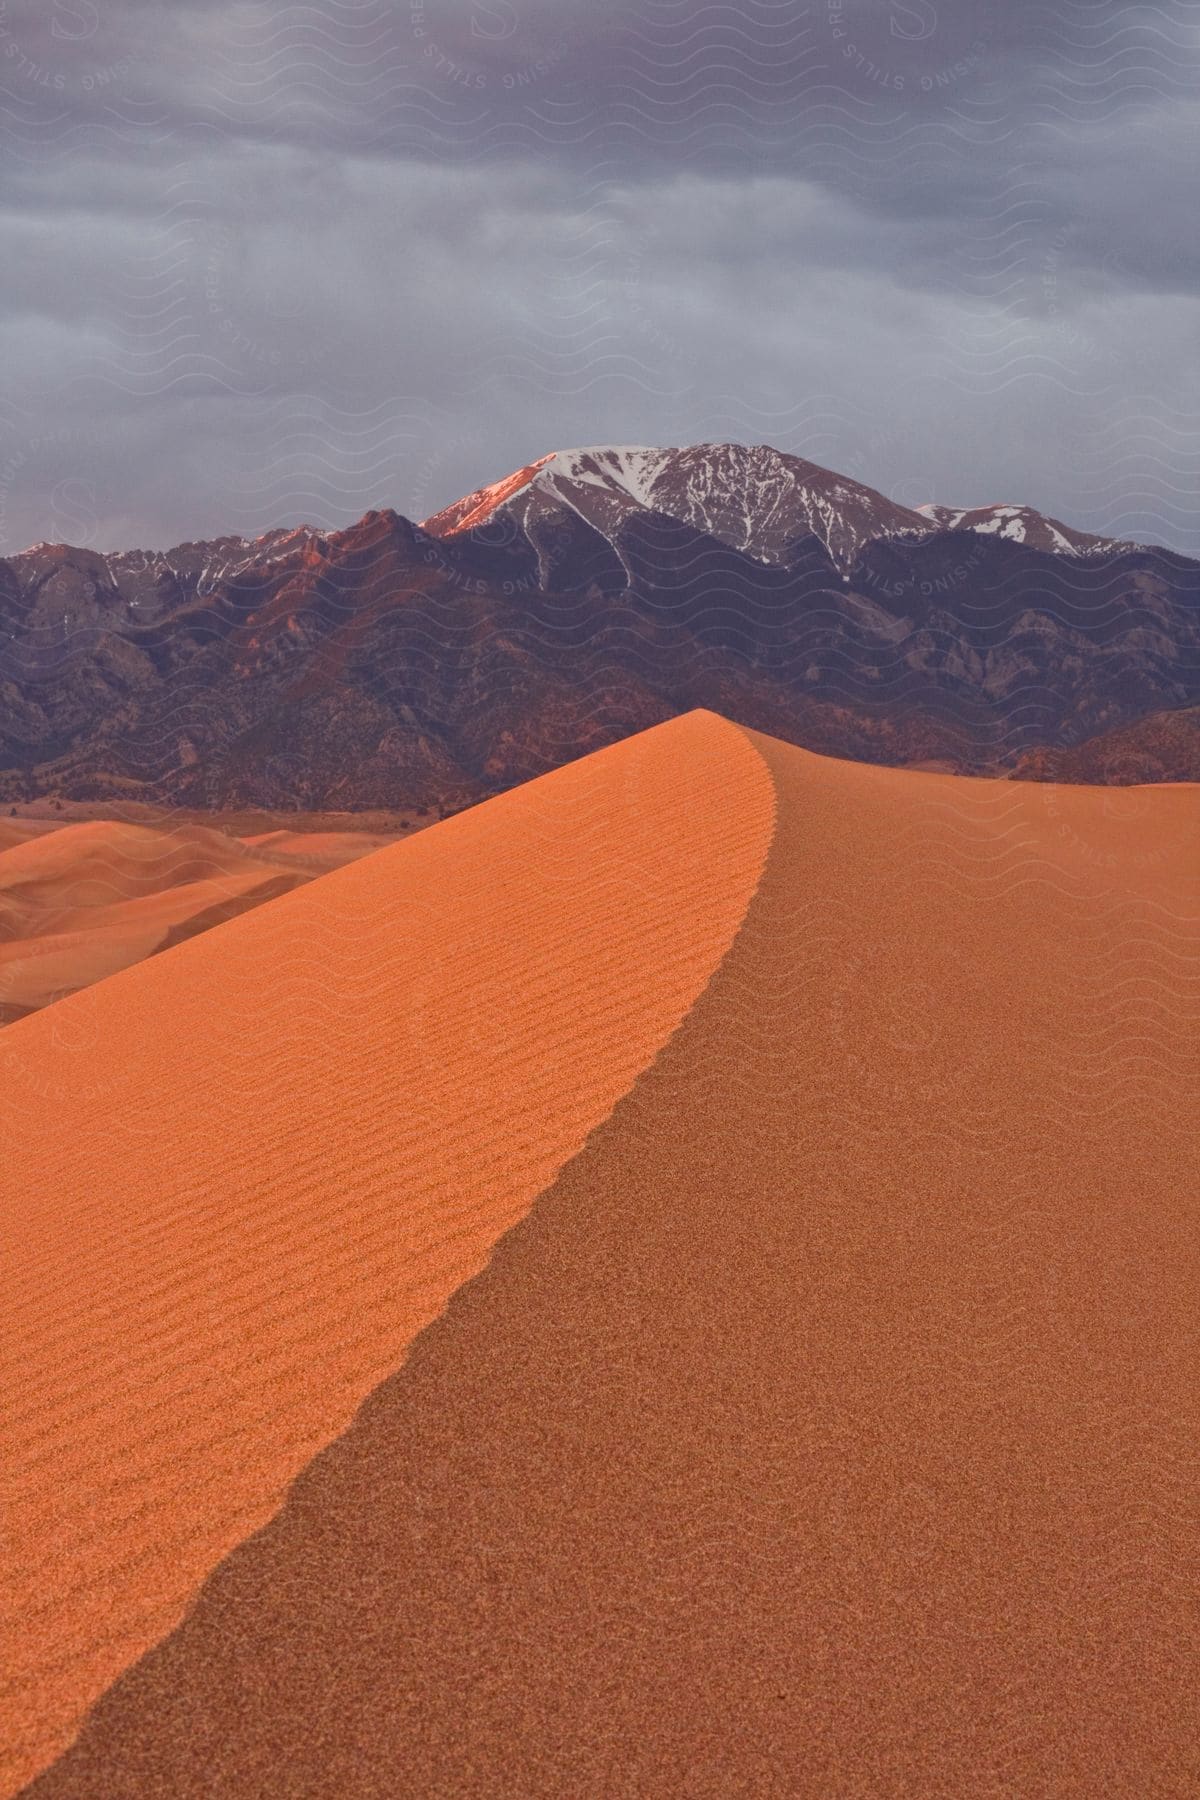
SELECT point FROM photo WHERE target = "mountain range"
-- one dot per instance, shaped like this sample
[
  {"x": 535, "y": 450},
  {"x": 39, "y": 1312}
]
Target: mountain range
[{"x": 586, "y": 596}]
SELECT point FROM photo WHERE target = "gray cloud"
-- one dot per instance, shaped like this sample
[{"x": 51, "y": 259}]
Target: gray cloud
[{"x": 281, "y": 261}]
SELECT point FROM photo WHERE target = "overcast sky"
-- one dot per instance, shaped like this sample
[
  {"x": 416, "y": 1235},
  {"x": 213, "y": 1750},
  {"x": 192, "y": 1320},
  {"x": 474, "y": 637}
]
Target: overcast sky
[{"x": 267, "y": 261}]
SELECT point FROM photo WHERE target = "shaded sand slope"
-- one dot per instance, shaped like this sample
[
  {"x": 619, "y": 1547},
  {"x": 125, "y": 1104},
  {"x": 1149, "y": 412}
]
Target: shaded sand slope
[
  {"x": 829, "y": 1426},
  {"x": 81, "y": 901},
  {"x": 241, "y": 1176}
]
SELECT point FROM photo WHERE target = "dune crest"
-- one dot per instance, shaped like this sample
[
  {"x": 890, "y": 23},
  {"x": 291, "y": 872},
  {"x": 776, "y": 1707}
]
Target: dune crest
[{"x": 240, "y": 1177}]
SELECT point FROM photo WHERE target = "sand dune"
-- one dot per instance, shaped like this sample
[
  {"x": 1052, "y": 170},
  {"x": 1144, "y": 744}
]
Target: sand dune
[
  {"x": 19, "y": 831},
  {"x": 828, "y": 1424},
  {"x": 241, "y": 1176},
  {"x": 82, "y": 900},
  {"x": 316, "y": 850}
]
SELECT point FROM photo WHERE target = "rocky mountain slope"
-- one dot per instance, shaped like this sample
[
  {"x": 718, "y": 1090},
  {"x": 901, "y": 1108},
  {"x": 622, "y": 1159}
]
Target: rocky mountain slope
[
  {"x": 586, "y": 596},
  {"x": 1161, "y": 747}
]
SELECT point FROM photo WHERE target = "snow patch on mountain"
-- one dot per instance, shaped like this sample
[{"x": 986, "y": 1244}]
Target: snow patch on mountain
[
  {"x": 631, "y": 467},
  {"x": 1020, "y": 525}
]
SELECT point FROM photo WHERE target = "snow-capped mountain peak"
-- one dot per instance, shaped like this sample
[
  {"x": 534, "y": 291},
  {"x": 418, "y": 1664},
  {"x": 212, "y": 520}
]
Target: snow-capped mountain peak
[
  {"x": 755, "y": 498},
  {"x": 1020, "y": 525}
]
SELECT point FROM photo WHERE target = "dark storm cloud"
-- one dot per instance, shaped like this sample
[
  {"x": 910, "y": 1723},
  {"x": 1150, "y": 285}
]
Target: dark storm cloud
[{"x": 275, "y": 261}]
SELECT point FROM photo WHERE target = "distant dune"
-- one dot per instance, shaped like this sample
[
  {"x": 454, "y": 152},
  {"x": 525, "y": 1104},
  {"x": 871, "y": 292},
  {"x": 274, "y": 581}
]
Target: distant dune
[
  {"x": 828, "y": 1424},
  {"x": 80, "y": 901}
]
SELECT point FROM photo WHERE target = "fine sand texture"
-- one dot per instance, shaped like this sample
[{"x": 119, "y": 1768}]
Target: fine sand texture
[
  {"x": 827, "y": 1426},
  {"x": 240, "y": 1177},
  {"x": 78, "y": 901}
]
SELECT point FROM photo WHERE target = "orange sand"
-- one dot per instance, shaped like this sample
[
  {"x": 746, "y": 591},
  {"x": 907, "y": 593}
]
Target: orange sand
[
  {"x": 82, "y": 900},
  {"x": 829, "y": 1425},
  {"x": 240, "y": 1177},
  {"x": 19, "y": 831}
]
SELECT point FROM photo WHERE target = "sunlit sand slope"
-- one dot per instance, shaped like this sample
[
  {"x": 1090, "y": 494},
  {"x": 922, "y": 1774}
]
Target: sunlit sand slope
[
  {"x": 240, "y": 1177},
  {"x": 829, "y": 1427}
]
